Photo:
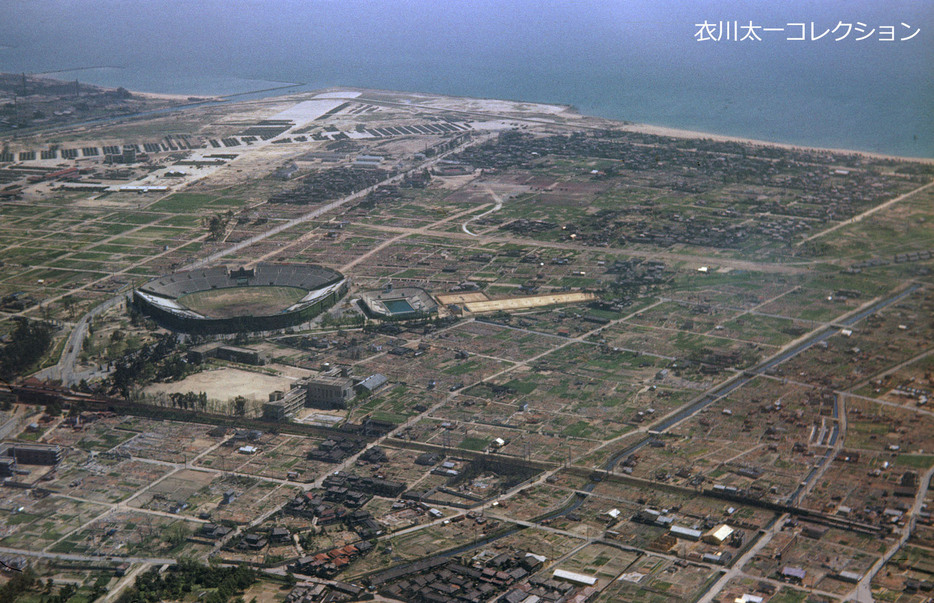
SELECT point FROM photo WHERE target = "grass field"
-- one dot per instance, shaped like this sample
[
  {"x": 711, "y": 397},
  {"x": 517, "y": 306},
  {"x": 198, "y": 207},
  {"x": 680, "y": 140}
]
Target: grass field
[{"x": 242, "y": 301}]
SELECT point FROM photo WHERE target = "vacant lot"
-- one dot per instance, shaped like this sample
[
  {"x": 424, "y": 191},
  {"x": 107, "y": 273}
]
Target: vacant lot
[{"x": 225, "y": 384}]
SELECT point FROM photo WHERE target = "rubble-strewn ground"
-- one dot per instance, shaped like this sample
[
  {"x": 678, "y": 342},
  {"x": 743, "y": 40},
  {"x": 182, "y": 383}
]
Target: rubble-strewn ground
[{"x": 757, "y": 355}]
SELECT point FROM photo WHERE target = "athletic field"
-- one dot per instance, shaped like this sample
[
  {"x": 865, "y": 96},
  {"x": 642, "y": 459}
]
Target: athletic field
[{"x": 242, "y": 301}]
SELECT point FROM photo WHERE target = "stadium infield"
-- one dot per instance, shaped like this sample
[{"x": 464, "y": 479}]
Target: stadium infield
[{"x": 242, "y": 301}]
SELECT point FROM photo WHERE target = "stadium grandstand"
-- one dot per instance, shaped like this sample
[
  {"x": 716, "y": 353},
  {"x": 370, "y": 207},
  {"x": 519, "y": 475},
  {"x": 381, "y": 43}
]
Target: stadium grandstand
[{"x": 223, "y": 300}]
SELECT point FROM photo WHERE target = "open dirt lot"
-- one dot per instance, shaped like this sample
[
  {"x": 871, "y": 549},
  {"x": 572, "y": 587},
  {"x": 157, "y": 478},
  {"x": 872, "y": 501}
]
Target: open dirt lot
[
  {"x": 225, "y": 384},
  {"x": 516, "y": 303}
]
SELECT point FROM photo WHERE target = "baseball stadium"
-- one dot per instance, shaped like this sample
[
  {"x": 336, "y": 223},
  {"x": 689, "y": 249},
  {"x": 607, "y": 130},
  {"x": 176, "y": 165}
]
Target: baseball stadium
[{"x": 220, "y": 300}]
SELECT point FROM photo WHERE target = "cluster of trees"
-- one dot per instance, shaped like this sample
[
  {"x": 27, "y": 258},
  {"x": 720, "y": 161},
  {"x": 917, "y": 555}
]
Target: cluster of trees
[
  {"x": 66, "y": 592},
  {"x": 20, "y": 584},
  {"x": 217, "y": 225},
  {"x": 29, "y": 340},
  {"x": 180, "y": 579},
  {"x": 138, "y": 319},
  {"x": 199, "y": 402},
  {"x": 388, "y": 326},
  {"x": 240, "y": 406},
  {"x": 27, "y": 583},
  {"x": 351, "y": 320},
  {"x": 158, "y": 361},
  {"x": 177, "y": 533},
  {"x": 189, "y": 400}
]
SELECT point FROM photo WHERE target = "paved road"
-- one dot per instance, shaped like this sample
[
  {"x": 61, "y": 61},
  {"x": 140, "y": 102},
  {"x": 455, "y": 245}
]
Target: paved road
[
  {"x": 863, "y": 591},
  {"x": 64, "y": 370},
  {"x": 125, "y": 582},
  {"x": 124, "y": 506},
  {"x": 93, "y": 558},
  {"x": 458, "y": 238},
  {"x": 318, "y": 212},
  {"x": 736, "y": 570}
]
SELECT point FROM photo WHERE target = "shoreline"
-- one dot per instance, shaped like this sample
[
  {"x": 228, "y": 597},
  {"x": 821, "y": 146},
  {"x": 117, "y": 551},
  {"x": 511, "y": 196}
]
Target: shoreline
[
  {"x": 644, "y": 128},
  {"x": 182, "y": 98},
  {"x": 694, "y": 134},
  {"x": 190, "y": 101}
]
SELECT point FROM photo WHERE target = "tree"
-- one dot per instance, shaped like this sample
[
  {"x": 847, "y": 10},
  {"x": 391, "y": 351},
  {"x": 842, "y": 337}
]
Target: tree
[
  {"x": 66, "y": 592},
  {"x": 177, "y": 533},
  {"x": 240, "y": 406},
  {"x": 69, "y": 303},
  {"x": 217, "y": 226},
  {"x": 76, "y": 407},
  {"x": 122, "y": 377},
  {"x": 28, "y": 342},
  {"x": 182, "y": 578}
]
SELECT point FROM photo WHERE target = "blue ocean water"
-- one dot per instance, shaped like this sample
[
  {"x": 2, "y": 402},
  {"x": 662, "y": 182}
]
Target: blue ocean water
[{"x": 637, "y": 60}]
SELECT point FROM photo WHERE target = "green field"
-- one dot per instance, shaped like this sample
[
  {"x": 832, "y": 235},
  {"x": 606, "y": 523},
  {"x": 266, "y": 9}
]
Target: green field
[{"x": 242, "y": 301}]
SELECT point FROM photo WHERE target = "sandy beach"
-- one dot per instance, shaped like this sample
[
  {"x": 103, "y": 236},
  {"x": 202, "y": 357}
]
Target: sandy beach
[
  {"x": 679, "y": 133},
  {"x": 492, "y": 106},
  {"x": 174, "y": 97}
]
